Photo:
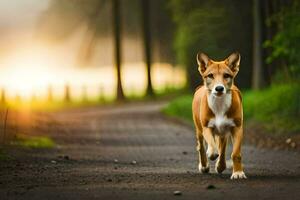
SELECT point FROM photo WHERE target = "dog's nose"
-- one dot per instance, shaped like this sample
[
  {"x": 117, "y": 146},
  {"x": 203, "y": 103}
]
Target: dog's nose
[{"x": 219, "y": 88}]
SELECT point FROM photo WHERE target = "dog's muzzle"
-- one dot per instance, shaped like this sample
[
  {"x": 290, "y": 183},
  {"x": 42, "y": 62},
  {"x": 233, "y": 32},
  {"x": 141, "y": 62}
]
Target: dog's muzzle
[{"x": 219, "y": 89}]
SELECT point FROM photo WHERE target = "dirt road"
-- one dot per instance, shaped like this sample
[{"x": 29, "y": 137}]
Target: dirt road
[{"x": 134, "y": 152}]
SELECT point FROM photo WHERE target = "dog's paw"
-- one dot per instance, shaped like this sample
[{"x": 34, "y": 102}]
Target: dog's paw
[
  {"x": 220, "y": 166},
  {"x": 203, "y": 169},
  {"x": 238, "y": 175},
  {"x": 211, "y": 154}
]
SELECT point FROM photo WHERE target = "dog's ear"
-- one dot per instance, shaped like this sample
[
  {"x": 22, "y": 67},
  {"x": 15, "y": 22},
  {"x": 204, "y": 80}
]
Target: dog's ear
[
  {"x": 203, "y": 61},
  {"x": 233, "y": 62}
]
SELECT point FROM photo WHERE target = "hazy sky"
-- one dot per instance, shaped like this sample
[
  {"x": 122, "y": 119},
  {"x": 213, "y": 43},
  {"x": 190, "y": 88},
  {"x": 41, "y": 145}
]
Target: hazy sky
[
  {"x": 17, "y": 22},
  {"x": 19, "y": 13}
]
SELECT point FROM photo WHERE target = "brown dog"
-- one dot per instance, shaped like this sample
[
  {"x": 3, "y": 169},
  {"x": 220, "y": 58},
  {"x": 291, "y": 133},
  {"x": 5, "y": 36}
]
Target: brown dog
[{"x": 218, "y": 112}]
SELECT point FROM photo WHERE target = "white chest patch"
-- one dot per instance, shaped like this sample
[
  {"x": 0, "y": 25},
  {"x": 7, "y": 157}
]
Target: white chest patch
[{"x": 219, "y": 106}]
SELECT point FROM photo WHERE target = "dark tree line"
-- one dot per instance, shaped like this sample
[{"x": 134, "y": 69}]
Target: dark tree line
[
  {"x": 215, "y": 27},
  {"x": 267, "y": 16},
  {"x": 266, "y": 32},
  {"x": 281, "y": 34},
  {"x": 96, "y": 14},
  {"x": 263, "y": 31},
  {"x": 145, "y": 24},
  {"x": 117, "y": 43}
]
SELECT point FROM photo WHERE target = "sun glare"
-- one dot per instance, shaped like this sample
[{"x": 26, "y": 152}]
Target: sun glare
[{"x": 27, "y": 73}]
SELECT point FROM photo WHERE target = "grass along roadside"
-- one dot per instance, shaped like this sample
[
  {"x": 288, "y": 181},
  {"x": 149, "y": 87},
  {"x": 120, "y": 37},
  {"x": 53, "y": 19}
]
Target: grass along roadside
[
  {"x": 180, "y": 107},
  {"x": 3, "y": 155},
  {"x": 58, "y": 105},
  {"x": 275, "y": 109},
  {"x": 25, "y": 141},
  {"x": 33, "y": 141}
]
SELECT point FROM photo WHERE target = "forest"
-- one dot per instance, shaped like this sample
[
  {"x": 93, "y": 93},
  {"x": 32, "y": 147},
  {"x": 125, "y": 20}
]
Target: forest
[
  {"x": 96, "y": 99},
  {"x": 266, "y": 36}
]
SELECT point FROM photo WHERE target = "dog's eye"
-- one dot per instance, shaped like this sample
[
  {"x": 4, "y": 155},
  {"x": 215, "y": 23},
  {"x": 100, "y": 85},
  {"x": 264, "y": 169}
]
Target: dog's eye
[
  {"x": 210, "y": 76},
  {"x": 227, "y": 76}
]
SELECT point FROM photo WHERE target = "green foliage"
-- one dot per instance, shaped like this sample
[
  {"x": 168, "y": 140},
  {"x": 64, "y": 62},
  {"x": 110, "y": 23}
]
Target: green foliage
[
  {"x": 33, "y": 141},
  {"x": 214, "y": 27},
  {"x": 285, "y": 44},
  {"x": 180, "y": 107},
  {"x": 276, "y": 108},
  {"x": 198, "y": 28}
]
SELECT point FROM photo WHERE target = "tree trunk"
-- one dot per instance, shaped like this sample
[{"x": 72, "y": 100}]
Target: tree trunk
[
  {"x": 257, "y": 76},
  {"x": 268, "y": 35},
  {"x": 193, "y": 76},
  {"x": 145, "y": 4},
  {"x": 117, "y": 42}
]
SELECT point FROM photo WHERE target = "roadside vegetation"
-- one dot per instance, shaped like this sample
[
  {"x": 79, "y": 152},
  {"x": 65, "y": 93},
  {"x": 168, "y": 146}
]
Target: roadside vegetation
[
  {"x": 276, "y": 109},
  {"x": 33, "y": 141},
  {"x": 272, "y": 98},
  {"x": 3, "y": 155},
  {"x": 57, "y": 105}
]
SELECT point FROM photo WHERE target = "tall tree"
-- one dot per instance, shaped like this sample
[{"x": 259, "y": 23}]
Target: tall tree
[
  {"x": 257, "y": 73},
  {"x": 145, "y": 5},
  {"x": 116, "y": 11},
  {"x": 76, "y": 13}
]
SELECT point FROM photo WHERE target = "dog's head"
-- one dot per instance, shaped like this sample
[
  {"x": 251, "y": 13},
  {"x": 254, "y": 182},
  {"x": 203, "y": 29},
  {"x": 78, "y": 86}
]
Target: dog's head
[{"x": 218, "y": 76}]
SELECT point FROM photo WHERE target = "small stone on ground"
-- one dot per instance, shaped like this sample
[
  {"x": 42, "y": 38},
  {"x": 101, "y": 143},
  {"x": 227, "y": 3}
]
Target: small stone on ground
[{"x": 177, "y": 193}]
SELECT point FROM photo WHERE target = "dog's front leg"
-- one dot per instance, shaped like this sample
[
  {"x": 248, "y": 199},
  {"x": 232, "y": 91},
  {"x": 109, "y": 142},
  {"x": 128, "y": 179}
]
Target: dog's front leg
[
  {"x": 203, "y": 163},
  {"x": 221, "y": 162},
  {"x": 211, "y": 144},
  {"x": 237, "y": 136}
]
